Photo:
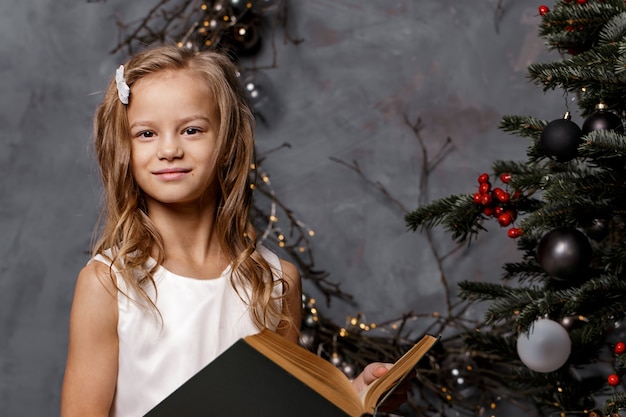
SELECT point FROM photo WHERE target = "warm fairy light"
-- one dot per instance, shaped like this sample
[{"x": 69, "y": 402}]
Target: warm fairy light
[
  {"x": 252, "y": 166},
  {"x": 273, "y": 219},
  {"x": 435, "y": 314},
  {"x": 516, "y": 312},
  {"x": 584, "y": 89},
  {"x": 208, "y": 42},
  {"x": 248, "y": 5},
  {"x": 373, "y": 325},
  {"x": 265, "y": 178},
  {"x": 353, "y": 321},
  {"x": 492, "y": 405},
  {"x": 449, "y": 397},
  {"x": 242, "y": 31},
  {"x": 314, "y": 310},
  {"x": 281, "y": 244},
  {"x": 225, "y": 18},
  {"x": 252, "y": 186},
  {"x": 281, "y": 236},
  {"x": 179, "y": 44},
  {"x": 343, "y": 332},
  {"x": 203, "y": 7},
  {"x": 206, "y": 23},
  {"x": 444, "y": 389},
  {"x": 394, "y": 326},
  {"x": 559, "y": 389},
  {"x": 311, "y": 233},
  {"x": 301, "y": 249}
]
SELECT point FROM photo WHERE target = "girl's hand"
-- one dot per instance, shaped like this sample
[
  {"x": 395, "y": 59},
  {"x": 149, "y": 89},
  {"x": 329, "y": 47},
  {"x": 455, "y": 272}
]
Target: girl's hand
[{"x": 375, "y": 370}]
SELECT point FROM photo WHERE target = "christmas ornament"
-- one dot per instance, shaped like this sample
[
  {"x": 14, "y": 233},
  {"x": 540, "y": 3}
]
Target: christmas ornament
[
  {"x": 568, "y": 322},
  {"x": 505, "y": 178},
  {"x": 336, "y": 359},
  {"x": 238, "y": 5},
  {"x": 602, "y": 119},
  {"x": 597, "y": 228},
  {"x": 246, "y": 39},
  {"x": 620, "y": 347},
  {"x": 348, "y": 369},
  {"x": 560, "y": 139},
  {"x": 460, "y": 375},
  {"x": 545, "y": 347},
  {"x": 613, "y": 380},
  {"x": 307, "y": 338},
  {"x": 564, "y": 253},
  {"x": 543, "y": 10}
]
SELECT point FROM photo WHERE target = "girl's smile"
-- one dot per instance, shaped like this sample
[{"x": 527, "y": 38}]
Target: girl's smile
[{"x": 171, "y": 174}]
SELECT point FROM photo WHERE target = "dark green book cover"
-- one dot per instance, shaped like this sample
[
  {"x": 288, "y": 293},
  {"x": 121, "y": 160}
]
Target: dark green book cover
[{"x": 242, "y": 382}]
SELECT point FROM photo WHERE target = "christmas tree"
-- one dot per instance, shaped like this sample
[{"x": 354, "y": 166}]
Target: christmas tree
[{"x": 551, "y": 332}]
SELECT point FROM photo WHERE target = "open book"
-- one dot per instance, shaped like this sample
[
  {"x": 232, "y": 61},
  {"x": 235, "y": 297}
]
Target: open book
[{"x": 266, "y": 375}]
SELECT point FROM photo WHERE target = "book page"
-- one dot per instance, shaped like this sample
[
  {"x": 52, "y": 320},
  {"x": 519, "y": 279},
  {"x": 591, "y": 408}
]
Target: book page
[
  {"x": 373, "y": 393},
  {"x": 328, "y": 380}
]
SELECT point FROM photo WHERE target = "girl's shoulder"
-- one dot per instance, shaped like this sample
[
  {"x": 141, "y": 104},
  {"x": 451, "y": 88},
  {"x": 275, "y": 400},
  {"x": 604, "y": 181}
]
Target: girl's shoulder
[
  {"x": 281, "y": 267},
  {"x": 96, "y": 279}
]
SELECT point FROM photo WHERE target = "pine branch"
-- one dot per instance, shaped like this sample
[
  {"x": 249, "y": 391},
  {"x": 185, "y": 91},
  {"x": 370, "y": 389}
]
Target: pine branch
[
  {"x": 525, "y": 126},
  {"x": 527, "y": 271},
  {"x": 459, "y": 215}
]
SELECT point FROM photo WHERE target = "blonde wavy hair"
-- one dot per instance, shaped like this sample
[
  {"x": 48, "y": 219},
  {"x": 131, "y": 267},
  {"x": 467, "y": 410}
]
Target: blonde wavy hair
[{"x": 125, "y": 230}]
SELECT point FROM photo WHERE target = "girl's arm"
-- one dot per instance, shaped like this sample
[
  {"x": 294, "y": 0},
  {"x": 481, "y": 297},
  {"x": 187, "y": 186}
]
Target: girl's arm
[
  {"x": 91, "y": 369},
  {"x": 293, "y": 301}
]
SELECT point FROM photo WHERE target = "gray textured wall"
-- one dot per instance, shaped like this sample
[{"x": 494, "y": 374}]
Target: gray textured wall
[{"x": 341, "y": 93}]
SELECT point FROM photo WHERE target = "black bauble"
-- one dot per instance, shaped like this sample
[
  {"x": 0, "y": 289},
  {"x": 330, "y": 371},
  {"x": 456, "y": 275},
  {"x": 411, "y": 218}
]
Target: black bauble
[
  {"x": 560, "y": 139},
  {"x": 597, "y": 228},
  {"x": 603, "y": 120},
  {"x": 564, "y": 253}
]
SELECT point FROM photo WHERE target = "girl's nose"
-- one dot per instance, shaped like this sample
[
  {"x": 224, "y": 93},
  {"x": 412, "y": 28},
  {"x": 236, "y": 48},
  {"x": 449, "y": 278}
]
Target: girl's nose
[{"x": 169, "y": 149}]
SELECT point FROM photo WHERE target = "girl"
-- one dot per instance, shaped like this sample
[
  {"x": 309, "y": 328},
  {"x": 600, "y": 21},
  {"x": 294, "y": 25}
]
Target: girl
[{"x": 176, "y": 276}]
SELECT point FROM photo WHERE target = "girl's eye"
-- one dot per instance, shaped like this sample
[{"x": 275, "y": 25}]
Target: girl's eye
[
  {"x": 191, "y": 131},
  {"x": 146, "y": 134}
]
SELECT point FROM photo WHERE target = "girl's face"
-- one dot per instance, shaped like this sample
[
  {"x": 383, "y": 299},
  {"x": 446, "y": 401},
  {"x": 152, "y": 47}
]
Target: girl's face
[{"x": 174, "y": 127}]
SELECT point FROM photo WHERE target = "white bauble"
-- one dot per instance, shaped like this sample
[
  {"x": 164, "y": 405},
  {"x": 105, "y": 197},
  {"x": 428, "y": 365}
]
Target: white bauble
[{"x": 545, "y": 347}]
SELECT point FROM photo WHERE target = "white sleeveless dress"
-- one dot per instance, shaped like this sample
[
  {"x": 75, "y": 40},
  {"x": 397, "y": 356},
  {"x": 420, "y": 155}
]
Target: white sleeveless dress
[{"x": 199, "y": 319}]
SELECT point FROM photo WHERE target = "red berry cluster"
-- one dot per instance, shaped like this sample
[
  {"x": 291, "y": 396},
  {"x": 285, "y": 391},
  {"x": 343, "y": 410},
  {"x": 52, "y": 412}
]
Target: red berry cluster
[
  {"x": 619, "y": 349},
  {"x": 495, "y": 202}
]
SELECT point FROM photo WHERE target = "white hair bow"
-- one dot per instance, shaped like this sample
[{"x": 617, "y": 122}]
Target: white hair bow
[{"x": 123, "y": 90}]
